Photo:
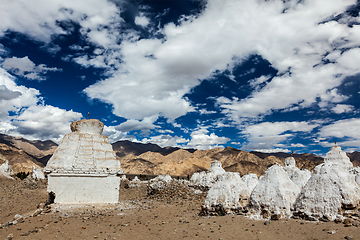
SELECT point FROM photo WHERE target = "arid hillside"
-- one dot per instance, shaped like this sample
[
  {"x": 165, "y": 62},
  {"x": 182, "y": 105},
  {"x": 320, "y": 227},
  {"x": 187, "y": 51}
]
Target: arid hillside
[
  {"x": 150, "y": 159},
  {"x": 18, "y": 159}
]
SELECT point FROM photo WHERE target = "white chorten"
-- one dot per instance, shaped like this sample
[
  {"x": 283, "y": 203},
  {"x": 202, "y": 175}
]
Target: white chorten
[
  {"x": 336, "y": 155},
  {"x": 84, "y": 168},
  {"x": 227, "y": 192},
  {"x": 274, "y": 195},
  {"x": 207, "y": 178},
  {"x": 6, "y": 170},
  {"x": 251, "y": 180},
  {"x": 331, "y": 188},
  {"x": 299, "y": 177},
  {"x": 37, "y": 173},
  {"x": 290, "y": 166}
]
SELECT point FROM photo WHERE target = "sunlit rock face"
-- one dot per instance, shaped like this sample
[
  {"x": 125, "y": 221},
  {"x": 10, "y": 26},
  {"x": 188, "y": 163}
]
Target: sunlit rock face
[
  {"x": 208, "y": 178},
  {"x": 84, "y": 169},
  {"x": 331, "y": 189},
  {"x": 274, "y": 195},
  {"x": 6, "y": 170}
]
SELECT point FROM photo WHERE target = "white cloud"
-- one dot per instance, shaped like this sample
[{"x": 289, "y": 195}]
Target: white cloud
[
  {"x": 24, "y": 67},
  {"x": 161, "y": 72},
  {"x": 39, "y": 18},
  {"x": 44, "y": 122},
  {"x": 145, "y": 125},
  {"x": 342, "y": 108},
  {"x": 27, "y": 97},
  {"x": 344, "y": 131},
  {"x": 297, "y": 145},
  {"x": 350, "y": 59},
  {"x": 204, "y": 111},
  {"x": 165, "y": 140},
  {"x": 342, "y": 128},
  {"x": 142, "y": 20},
  {"x": 201, "y": 140},
  {"x": 29, "y": 117},
  {"x": 274, "y": 150},
  {"x": 7, "y": 94},
  {"x": 266, "y": 135}
]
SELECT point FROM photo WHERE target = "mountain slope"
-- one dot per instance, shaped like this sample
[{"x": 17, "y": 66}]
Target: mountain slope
[
  {"x": 41, "y": 151},
  {"x": 18, "y": 159}
]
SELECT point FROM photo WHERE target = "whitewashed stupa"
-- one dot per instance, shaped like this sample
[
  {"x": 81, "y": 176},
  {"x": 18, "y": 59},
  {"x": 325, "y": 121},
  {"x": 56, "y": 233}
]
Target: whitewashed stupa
[
  {"x": 207, "y": 179},
  {"x": 331, "y": 189},
  {"x": 227, "y": 192},
  {"x": 274, "y": 195},
  {"x": 6, "y": 170},
  {"x": 299, "y": 177},
  {"x": 84, "y": 169}
]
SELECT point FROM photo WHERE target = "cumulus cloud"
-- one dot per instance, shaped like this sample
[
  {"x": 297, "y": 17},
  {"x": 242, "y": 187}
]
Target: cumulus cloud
[
  {"x": 30, "y": 117},
  {"x": 200, "y": 139},
  {"x": 342, "y": 128},
  {"x": 160, "y": 72},
  {"x": 166, "y": 140},
  {"x": 40, "y": 19},
  {"x": 145, "y": 125},
  {"x": 342, "y": 108},
  {"x": 148, "y": 78},
  {"x": 24, "y": 67},
  {"x": 44, "y": 122},
  {"x": 265, "y": 135},
  {"x": 344, "y": 131},
  {"x": 7, "y": 94},
  {"x": 142, "y": 20}
]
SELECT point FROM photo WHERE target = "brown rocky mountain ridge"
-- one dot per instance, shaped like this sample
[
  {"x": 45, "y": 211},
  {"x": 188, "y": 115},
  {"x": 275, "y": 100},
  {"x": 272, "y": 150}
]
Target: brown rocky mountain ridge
[{"x": 150, "y": 159}]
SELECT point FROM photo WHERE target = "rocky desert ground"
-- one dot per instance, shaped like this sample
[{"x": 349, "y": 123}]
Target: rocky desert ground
[{"x": 165, "y": 215}]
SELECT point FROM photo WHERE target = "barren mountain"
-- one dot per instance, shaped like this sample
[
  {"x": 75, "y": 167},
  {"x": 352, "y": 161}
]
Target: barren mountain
[
  {"x": 183, "y": 163},
  {"x": 150, "y": 159},
  {"x": 18, "y": 159},
  {"x": 41, "y": 151},
  {"x": 124, "y": 148},
  {"x": 304, "y": 160},
  {"x": 355, "y": 158}
]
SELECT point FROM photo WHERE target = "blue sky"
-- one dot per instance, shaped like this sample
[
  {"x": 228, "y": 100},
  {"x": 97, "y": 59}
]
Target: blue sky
[{"x": 254, "y": 75}]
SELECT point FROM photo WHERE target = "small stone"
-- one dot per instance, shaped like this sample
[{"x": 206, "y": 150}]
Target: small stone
[
  {"x": 10, "y": 236},
  {"x": 266, "y": 222},
  {"x": 348, "y": 237},
  {"x": 348, "y": 222}
]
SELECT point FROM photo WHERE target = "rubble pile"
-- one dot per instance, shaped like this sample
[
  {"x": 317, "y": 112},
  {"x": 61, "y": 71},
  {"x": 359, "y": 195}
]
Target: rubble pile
[{"x": 165, "y": 189}]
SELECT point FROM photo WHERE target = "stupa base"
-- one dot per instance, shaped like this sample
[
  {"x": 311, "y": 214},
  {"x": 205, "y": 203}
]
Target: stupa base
[{"x": 84, "y": 188}]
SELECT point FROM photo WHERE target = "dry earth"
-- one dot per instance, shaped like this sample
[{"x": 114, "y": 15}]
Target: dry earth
[{"x": 138, "y": 216}]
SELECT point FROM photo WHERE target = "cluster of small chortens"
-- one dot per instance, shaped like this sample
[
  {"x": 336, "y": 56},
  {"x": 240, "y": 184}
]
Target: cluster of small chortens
[
  {"x": 84, "y": 168},
  {"x": 330, "y": 192}
]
